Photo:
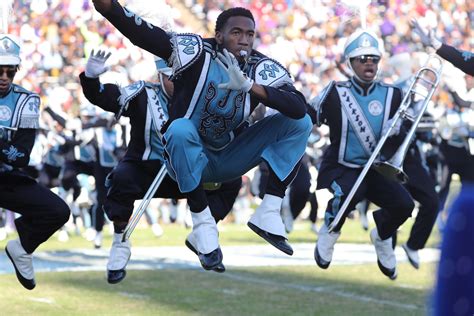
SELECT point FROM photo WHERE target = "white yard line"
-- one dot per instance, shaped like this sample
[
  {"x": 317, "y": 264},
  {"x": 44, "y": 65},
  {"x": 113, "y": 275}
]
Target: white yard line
[
  {"x": 181, "y": 258},
  {"x": 321, "y": 289}
]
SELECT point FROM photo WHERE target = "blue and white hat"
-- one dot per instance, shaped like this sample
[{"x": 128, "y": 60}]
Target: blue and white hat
[
  {"x": 362, "y": 42},
  {"x": 162, "y": 67},
  {"x": 9, "y": 50}
]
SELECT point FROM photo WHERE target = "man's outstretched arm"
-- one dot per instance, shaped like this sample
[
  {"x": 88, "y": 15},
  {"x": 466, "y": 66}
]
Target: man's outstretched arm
[{"x": 138, "y": 31}]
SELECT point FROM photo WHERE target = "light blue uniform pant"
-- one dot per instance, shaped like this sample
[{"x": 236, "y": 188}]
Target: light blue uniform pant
[{"x": 279, "y": 140}]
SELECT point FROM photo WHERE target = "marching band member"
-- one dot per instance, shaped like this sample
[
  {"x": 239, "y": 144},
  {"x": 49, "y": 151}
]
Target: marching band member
[
  {"x": 218, "y": 83},
  {"x": 457, "y": 144},
  {"x": 42, "y": 212},
  {"x": 146, "y": 105},
  {"x": 358, "y": 112}
]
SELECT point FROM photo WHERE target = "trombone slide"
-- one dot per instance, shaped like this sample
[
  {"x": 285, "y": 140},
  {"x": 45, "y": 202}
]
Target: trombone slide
[{"x": 144, "y": 203}]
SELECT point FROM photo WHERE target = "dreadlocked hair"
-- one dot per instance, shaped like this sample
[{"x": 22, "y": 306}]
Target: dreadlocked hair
[{"x": 226, "y": 14}]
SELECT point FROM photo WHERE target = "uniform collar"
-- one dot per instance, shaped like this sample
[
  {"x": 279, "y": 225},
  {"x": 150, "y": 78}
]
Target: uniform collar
[{"x": 361, "y": 88}]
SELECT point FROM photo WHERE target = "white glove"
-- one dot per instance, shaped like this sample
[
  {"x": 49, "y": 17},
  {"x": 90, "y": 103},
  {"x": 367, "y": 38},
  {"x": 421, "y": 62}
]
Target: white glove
[
  {"x": 95, "y": 65},
  {"x": 237, "y": 79},
  {"x": 427, "y": 37},
  {"x": 395, "y": 130}
]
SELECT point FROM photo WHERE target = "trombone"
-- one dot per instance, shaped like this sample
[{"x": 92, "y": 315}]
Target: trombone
[
  {"x": 423, "y": 85},
  {"x": 137, "y": 214}
]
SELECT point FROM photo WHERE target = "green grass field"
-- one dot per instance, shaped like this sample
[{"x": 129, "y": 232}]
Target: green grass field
[{"x": 291, "y": 290}]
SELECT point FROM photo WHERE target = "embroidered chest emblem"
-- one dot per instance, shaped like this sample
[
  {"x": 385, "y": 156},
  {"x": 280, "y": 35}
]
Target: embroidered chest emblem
[
  {"x": 220, "y": 115},
  {"x": 375, "y": 108},
  {"x": 5, "y": 113},
  {"x": 12, "y": 153}
]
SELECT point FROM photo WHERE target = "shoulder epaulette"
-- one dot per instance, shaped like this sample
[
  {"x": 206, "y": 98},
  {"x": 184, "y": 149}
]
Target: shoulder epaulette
[
  {"x": 29, "y": 108},
  {"x": 269, "y": 72},
  {"x": 187, "y": 48},
  {"x": 317, "y": 102},
  {"x": 128, "y": 93}
]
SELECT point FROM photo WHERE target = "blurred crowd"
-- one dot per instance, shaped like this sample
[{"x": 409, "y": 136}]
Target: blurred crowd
[{"x": 307, "y": 36}]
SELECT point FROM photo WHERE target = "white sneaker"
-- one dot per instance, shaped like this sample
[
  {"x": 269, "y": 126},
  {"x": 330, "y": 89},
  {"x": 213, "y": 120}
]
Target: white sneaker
[
  {"x": 325, "y": 246},
  {"x": 98, "y": 240},
  {"x": 120, "y": 253},
  {"x": 204, "y": 236},
  {"x": 363, "y": 220},
  {"x": 157, "y": 230},
  {"x": 412, "y": 255},
  {"x": 173, "y": 210},
  {"x": 287, "y": 218},
  {"x": 385, "y": 254},
  {"x": 22, "y": 262}
]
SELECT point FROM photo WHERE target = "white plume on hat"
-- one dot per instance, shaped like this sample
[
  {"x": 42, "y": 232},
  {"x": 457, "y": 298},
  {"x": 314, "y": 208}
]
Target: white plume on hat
[
  {"x": 9, "y": 44},
  {"x": 6, "y": 8},
  {"x": 156, "y": 12}
]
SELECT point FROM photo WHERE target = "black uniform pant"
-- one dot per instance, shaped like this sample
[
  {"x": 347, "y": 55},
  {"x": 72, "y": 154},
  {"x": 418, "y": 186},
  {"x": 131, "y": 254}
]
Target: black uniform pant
[
  {"x": 43, "y": 212},
  {"x": 130, "y": 180},
  {"x": 395, "y": 201},
  {"x": 422, "y": 188},
  {"x": 299, "y": 190},
  {"x": 49, "y": 176}
]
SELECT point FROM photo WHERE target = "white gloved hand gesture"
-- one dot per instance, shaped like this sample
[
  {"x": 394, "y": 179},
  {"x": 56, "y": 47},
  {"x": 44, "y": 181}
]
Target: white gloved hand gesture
[
  {"x": 95, "y": 65},
  {"x": 395, "y": 130},
  {"x": 427, "y": 36},
  {"x": 237, "y": 79}
]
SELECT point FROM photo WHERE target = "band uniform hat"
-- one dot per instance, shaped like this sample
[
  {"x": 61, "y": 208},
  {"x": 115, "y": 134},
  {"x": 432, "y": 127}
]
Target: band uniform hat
[
  {"x": 362, "y": 42},
  {"x": 9, "y": 50}
]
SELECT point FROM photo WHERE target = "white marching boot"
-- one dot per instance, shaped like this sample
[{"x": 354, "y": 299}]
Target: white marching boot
[
  {"x": 22, "y": 262},
  {"x": 268, "y": 224},
  {"x": 412, "y": 255},
  {"x": 120, "y": 253},
  {"x": 325, "y": 246},
  {"x": 204, "y": 239},
  {"x": 385, "y": 254}
]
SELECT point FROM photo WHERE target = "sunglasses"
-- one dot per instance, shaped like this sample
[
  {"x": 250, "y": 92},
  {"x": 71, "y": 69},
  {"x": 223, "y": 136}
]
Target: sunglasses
[
  {"x": 10, "y": 72},
  {"x": 365, "y": 58}
]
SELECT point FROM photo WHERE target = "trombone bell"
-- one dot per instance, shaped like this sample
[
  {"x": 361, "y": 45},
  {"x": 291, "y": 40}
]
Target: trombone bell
[
  {"x": 417, "y": 98},
  {"x": 390, "y": 171}
]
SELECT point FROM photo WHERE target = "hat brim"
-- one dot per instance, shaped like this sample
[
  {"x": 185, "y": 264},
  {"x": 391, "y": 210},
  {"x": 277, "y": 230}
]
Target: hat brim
[
  {"x": 364, "y": 51},
  {"x": 10, "y": 60}
]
